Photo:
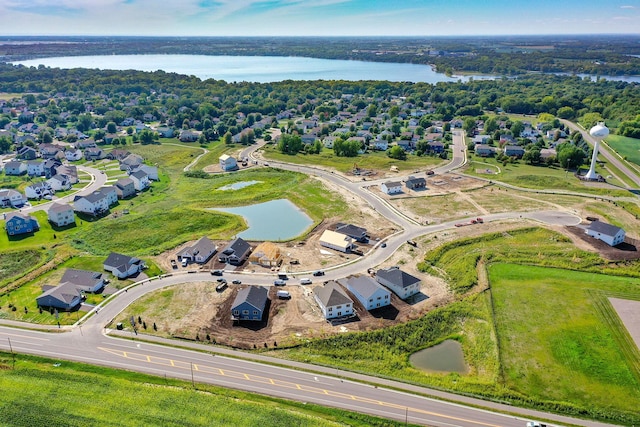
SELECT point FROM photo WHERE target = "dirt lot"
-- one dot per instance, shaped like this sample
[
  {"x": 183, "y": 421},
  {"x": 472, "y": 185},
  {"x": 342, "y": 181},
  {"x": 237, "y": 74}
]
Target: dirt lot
[{"x": 629, "y": 250}]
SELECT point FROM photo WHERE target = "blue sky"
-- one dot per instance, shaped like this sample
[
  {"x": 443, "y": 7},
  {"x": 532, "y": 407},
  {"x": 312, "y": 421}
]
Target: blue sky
[{"x": 317, "y": 17}]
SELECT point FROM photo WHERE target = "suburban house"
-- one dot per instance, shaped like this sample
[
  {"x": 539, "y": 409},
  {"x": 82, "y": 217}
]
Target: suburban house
[
  {"x": 358, "y": 234},
  {"x": 481, "y": 139},
  {"x": 200, "y": 252},
  {"x": 97, "y": 202},
  {"x": 140, "y": 180},
  {"x": 391, "y": 187},
  {"x": 94, "y": 153},
  {"x": 118, "y": 154},
  {"x": 435, "y": 147},
  {"x": 338, "y": 241},
  {"x": 513, "y": 151},
  {"x": 122, "y": 266},
  {"x": 69, "y": 171},
  {"x": 61, "y": 215},
  {"x": 165, "y": 132},
  {"x": 59, "y": 182},
  {"x": 130, "y": 161},
  {"x": 11, "y": 198},
  {"x": 610, "y": 234},
  {"x": 400, "y": 283},
  {"x": 15, "y": 168},
  {"x": 381, "y": 144},
  {"x": 266, "y": 254},
  {"x": 35, "y": 168},
  {"x": 73, "y": 154},
  {"x": 483, "y": 150},
  {"x": 27, "y": 153},
  {"x": 19, "y": 223},
  {"x": 84, "y": 280},
  {"x": 250, "y": 303},
  {"x": 333, "y": 300},
  {"x": 416, "y": 183},
  {"x": 151, "y": 171},
  {"x": 188, "y": 136},
  {"x": 125, "y": 188},
  {"x": 50, "y": 166},
  {"x": 228, "y": 163},
  {"x": 63, "y": 297},
  {"x": 38, "y": 190},
  {"x": 370, "y": 293},
  {"x": 235, "y": 252},
  {"x": 548, "y": 153}
]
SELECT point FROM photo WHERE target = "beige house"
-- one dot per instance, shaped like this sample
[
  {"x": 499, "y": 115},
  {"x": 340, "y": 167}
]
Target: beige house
[
  {"x": 338, "y": 241},
  {"x": 266, "y": 254}
]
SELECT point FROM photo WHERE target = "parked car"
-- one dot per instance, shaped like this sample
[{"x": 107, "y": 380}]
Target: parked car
[
  {"x": 221, "y": 287},
  {"x": 283, "y": 294},
  {"x": 305, "y": 281},
  {"x": 318, "y": 273},
  {"x": 237, "y": 282},
  {"x": 222, "y": 280},
  {"x": 383, "y": 245},
  {"x": 279, "y": 282},
  {"x": 174, "y": 264},
  {"x": 185, "y": 262},
  {"x": 216, "y": 272}
]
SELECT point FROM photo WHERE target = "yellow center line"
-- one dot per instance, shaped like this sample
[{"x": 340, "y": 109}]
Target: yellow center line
[{"x": 278, "y": 383}]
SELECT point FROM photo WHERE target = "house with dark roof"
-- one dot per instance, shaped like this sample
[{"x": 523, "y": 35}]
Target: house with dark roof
[
  {"x": 129, "y": 161},
  {"x": 50, "y": 166},
  {"x": 61, "y": 215},
  {"x": 27, "y": 153},
  {"x": 84, "y": 280},
  {"x": 63, "y": 297},
  {"x": 200, "y": 252},
  {"x": 610, "y": 234},
  {"x": 416, "y": 183},
  {"x": 356, "y": 233},
  {"x": 370, "y": 293},
  {"x": 151, "y": 171},
  {"x": 399, "y": 282},
  {"x": 19, "y": 223},
  {"x": 435, "y": 147},
  {"x": 235, "y": 252},
  {"x": 140, "y": 180},
  {"x": 250, "y": 303},
  {"x": 484, "y": 150},
  {"x": 69, "y": 171},
  {"x": 514, "y": 151},
  {"x": 122, "y": 266},
  {"x": 94, "y": 153},
  {"x": 97, "y": 202},
  {"x": 333, "y": 300}
]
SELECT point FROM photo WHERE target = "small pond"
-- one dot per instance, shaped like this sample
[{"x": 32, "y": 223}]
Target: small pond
[
  {"x": 444, "y": 357},
  {"x": 238, "y": 185},
  {"x": 275, "y": 220}
]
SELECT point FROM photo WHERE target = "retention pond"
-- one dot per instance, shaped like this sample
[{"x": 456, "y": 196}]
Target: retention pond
[{"x": 444, "y": 357}]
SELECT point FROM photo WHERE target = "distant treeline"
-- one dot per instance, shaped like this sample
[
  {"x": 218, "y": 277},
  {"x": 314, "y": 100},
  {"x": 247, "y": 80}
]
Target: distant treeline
[{"x": 598, "y": 55}]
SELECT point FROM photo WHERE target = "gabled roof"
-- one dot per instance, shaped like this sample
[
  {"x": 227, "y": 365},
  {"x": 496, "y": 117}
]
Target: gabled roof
[
  {"x": 10, "y": 215},
  {"x": 59, "y": 208},
  {"x": 364, "y": 285},
  {"x": 203, "y": 245},
  {"x": 65, "y": 293},
  {"x": 604, "y": 228},
  {"x": 82, "y": 278},
  {"x": 237, "y": 246},
  {"x": 120, "y": 262},
  {"x": 139, "y": 174},
  {"x": 397, "y": 277},
  {"x": 390, "y": 184},
  {"x": 123, "y": 182},
  {"x": 415, "y": 180},
  {"x": 256, "y": 296},
  {"x": 350, "y": 229},
  {"x": 332, "y": 294}
]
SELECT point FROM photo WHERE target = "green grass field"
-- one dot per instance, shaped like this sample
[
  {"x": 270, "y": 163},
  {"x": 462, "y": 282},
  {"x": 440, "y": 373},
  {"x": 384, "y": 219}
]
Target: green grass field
[
  {"x": 554, "y": 346},
  {"x": 376, "y": 160},
  {"x": 43, "y": 392},
  {"x": 629, "y": 148}
]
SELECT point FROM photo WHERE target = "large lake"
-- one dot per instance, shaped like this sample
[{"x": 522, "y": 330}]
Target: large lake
[{"x": 259, "y": 69}]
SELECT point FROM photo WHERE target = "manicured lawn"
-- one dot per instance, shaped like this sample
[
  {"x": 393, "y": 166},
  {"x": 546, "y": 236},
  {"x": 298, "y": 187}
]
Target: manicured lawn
[
  {"x": 629, "y": 148},
  {"x": 553, "y": 344},
  {"x": 43, "y": 392},
  {"x": 375, "y": 160}
]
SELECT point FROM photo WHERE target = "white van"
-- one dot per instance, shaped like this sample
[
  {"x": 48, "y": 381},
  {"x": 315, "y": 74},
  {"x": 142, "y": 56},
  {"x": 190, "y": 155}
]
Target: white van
[
  {"x": 185, "y": 261},
  {"x": 305, "y": 281},
  {"x": 283, "y": 294},
  {"x": 279, "y": 282}
]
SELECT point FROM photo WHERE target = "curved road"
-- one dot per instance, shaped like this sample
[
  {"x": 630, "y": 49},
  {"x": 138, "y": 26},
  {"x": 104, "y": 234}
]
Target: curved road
[{"x": 87, "y": 341}]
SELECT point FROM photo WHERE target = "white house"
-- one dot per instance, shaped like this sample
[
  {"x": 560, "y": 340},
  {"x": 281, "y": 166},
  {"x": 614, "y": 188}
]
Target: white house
[
  {"x": 402, "y": 284},
  {"x": 151, "y": 171},
  {"x": 370, "y": 293},
  {"x": 15, "y": 168},
  {"x": 140, "y": 180},
  {"x": 200, "y": 252},
  {"x": 381, "y": 144},
  {"x": 610, "y": 234},
  {"x": 61, "y": 215},
  {"x": 73, "y": 154},
  {"x": 391, "y": 187},
  {"x": 97, "y": 202},
  {"x": 11, "y": 198},
  {"x": 35, "y": 168},
  {"x": 338, "y": 241},
  {"x": 38, "y": 190},
  {"x": 333, "y": 300},
  {"x": 228, "y": 163},
  {"x": 122, "y": 266},
  {"x": 59, "y": 182}
]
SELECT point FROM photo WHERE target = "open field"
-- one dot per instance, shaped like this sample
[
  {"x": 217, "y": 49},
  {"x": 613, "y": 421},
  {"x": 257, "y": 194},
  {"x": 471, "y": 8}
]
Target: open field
[
  {"x": 629, "y": 148},
  {"x": 559, "y": 349},
  {"x": 82, "y": 395},
  {"x": 373, "y": 160}
]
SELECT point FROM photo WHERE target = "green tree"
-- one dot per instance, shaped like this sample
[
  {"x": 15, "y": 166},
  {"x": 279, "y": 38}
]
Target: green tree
[
  {"x": 45, "y": 137},
  {"x": 396, "y": 152},
  {"x": 146, "y": 137},
  {"x": 532, "y": 156},
  {"x": 289, "y": 144},
  {"x": 85, "y": 122},
  {"x": 516, "y": 128},
  {"x": 112, "y": 127},
  {"x": 469, "y": 125},
  {"x": 570, "y": 156},
  {"x": 5, "y": 144},
  {"x": 227, "y": 138},
  {"x": 566, "y": 113}
]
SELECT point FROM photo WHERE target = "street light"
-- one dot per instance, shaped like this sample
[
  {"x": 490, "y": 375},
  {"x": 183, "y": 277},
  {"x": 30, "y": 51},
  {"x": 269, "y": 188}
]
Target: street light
[{"x": 598, "y": 132}]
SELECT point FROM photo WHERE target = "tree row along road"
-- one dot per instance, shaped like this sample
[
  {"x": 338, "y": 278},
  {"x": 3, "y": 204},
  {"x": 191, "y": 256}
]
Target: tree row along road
[{"x": 87, "y": 340}]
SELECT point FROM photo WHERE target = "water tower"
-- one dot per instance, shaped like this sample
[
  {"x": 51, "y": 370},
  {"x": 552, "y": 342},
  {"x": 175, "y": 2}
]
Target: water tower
[{"x": 598, "y": 132}]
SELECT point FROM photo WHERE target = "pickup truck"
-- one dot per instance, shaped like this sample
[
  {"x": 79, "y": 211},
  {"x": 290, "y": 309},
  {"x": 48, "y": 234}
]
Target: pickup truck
[{"x": 536, "y": 424}]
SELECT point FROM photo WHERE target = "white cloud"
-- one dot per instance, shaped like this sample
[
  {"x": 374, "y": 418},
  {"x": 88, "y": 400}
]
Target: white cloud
[{"x": 628, "y": 6}]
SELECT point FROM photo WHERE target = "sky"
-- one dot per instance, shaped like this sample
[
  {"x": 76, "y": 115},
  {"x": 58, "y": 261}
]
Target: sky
[{"x": 318, "y": 17}]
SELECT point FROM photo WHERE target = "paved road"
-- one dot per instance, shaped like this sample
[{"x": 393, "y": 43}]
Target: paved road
[
  {"x": 84, "y": 345},
  {"x": 611, "y": 157}
]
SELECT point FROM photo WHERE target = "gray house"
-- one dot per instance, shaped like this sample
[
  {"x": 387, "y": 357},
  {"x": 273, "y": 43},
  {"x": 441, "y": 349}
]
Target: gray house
[
  {"x": 370, "y": 293},
  {"x": 200, "y": 252},
  {"x": 84, "y": 280},
  {"x": 610, "y": 234},
  {"x": 333, "y": 300},
  {"x": 125, "y": 188},
  {"x": 122, "y": 266},
  {"x": 250, "y": 303},
  {"x": 401, "y": 283},
  {"x": 15, "y": 168},
  {"x": 416, "y": 183},
  {"x": 356, "y": 233},
  {"x": 64, "y": 297},
  {"x": 235, "y": 252}
]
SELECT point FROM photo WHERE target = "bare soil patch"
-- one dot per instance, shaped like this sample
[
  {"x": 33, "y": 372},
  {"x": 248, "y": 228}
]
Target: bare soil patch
[{"x": 629, "y": 250}]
